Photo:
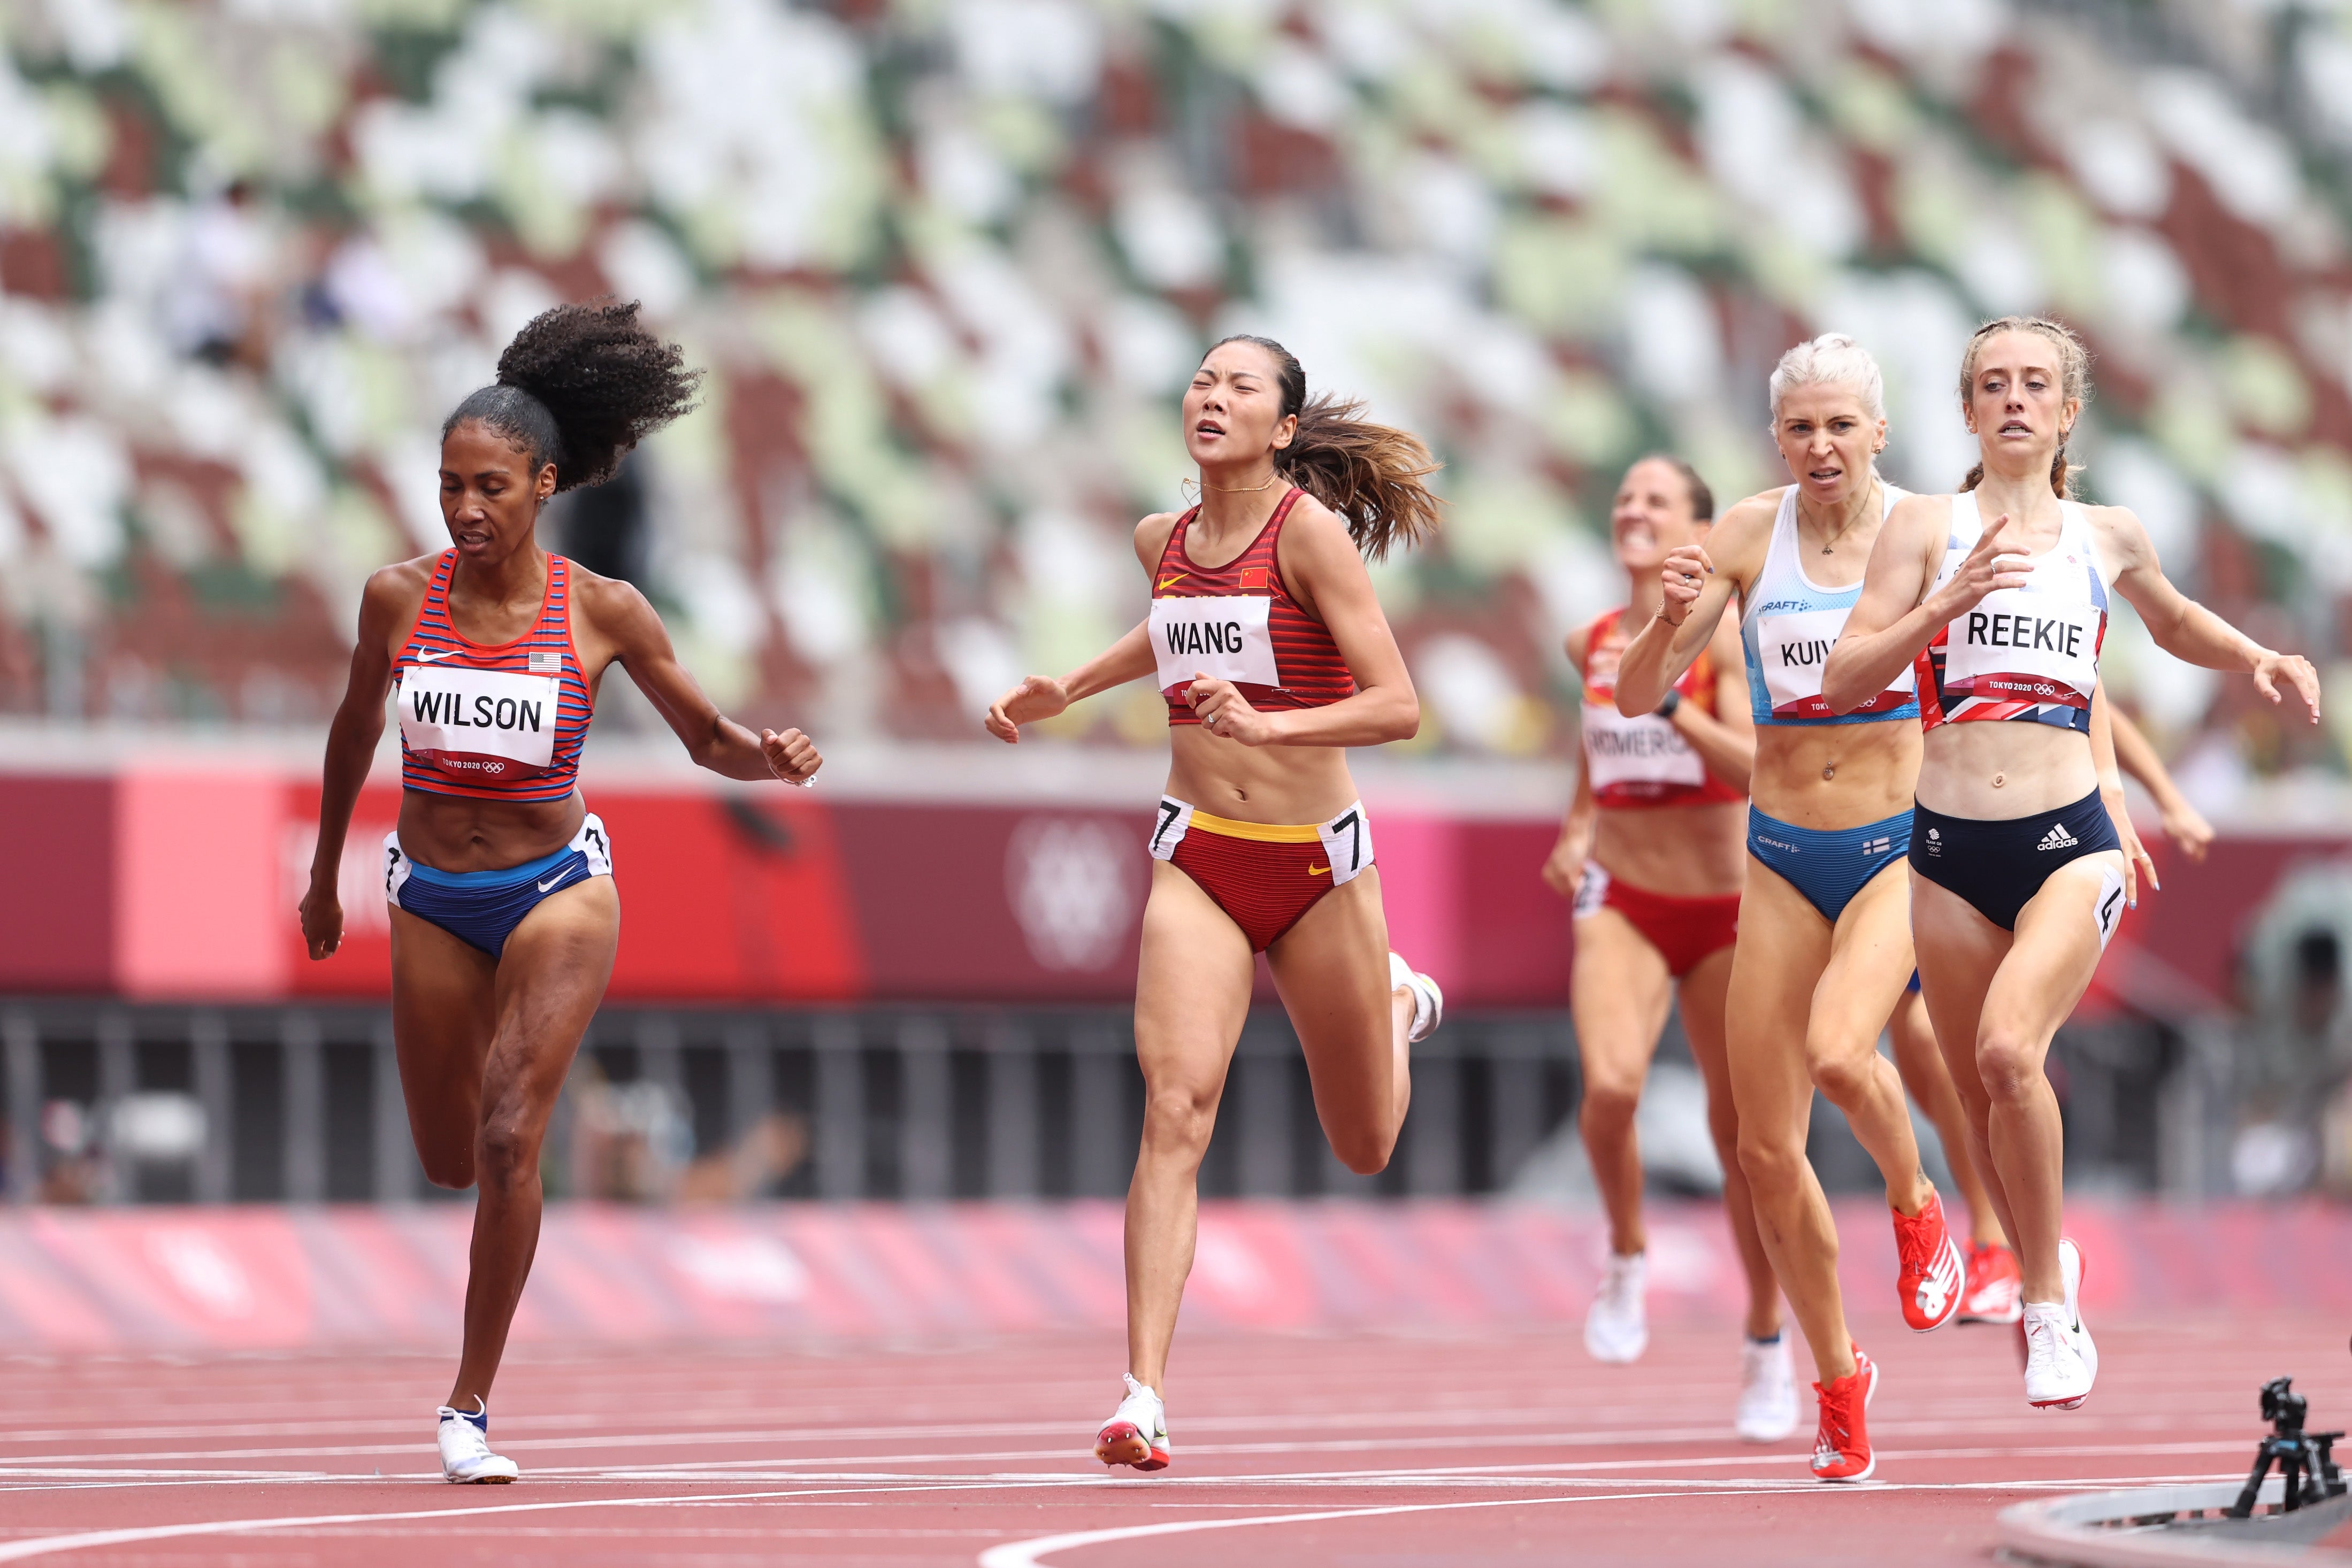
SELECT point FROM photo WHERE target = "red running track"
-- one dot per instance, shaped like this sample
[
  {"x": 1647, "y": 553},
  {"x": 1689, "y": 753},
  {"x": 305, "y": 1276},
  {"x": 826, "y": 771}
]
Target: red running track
[{"x": 1506, "y": 1447}]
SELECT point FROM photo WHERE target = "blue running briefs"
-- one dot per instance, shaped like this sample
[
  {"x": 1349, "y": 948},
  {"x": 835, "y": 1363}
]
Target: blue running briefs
[
  {"x": 483, "y": 907},
  {"x": 1829, "y": 867}
]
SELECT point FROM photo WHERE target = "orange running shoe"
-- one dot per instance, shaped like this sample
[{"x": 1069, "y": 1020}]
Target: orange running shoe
[
  {"x": 1933, "y": 1272},
  {"x": 1995, "y": 1293},
  {"x": 1842, "y": 1442}
]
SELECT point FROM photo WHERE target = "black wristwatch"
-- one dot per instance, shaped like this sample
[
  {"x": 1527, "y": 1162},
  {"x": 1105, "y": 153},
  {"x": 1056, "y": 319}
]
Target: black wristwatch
[{"x": 1673, "y": 700}]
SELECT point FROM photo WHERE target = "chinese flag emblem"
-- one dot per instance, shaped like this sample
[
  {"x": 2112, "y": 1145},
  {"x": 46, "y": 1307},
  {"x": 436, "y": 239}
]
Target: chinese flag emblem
[{"x": 1252, "y": 577}]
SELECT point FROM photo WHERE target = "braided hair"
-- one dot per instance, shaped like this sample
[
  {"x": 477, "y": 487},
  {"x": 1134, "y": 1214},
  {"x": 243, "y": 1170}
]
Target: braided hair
[{"x": 578, "y": 386}]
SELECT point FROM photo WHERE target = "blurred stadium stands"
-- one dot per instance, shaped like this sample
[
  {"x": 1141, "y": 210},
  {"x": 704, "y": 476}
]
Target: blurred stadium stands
[{"x": 950, "y": 261}]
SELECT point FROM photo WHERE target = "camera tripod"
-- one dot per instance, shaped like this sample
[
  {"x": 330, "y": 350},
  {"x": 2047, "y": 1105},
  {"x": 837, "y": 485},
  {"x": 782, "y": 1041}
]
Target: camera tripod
[{"x": 2306, "y": 1460}]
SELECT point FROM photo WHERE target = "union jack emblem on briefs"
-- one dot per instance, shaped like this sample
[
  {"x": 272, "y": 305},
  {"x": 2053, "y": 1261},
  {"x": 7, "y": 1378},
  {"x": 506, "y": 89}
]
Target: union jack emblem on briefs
[{"x": 1878, "y": 846}]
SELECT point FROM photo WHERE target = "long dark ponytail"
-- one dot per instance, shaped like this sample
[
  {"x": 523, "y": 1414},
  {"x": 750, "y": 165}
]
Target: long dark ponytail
[{"x": 1372, "y": 475}]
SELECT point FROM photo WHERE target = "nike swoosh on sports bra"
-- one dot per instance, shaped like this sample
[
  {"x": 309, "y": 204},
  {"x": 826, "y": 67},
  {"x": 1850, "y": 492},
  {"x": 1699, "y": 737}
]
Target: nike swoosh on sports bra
[
  {"x": 1237, "y": 623},
  {"x": 2030, "y": 654},
  {"x": 1789, "y": 623},
  {"x": 502, "y": 723},
  {"x": 1644, "y": 760}
]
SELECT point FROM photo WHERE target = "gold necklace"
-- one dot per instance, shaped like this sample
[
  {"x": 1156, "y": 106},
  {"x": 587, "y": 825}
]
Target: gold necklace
[
  {"x": 1847, "y": 527},
  {"x": 1272, "y": 480}
]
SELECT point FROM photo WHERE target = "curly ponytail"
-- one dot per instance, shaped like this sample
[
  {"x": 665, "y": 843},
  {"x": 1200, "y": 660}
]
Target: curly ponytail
[
  {"x": 1370, "y": 475},
  {"x": 578, "y": 386},
  {"x": 2073, "y": 384}
]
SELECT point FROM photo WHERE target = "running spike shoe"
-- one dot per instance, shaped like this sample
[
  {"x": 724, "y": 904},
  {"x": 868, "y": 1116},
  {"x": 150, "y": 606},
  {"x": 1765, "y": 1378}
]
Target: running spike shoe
[
  {"x": 1933, "y": 1271},
  {"x": 1995, "y": 1293},
  {"x": 1617, "y": 1326},
  {"x": 466, "y": 1456},
  {"x": 1842, "y": 1442},
  {"x": 1767, "y": 1391},
  {"x": 1136, "y": 1432},
  {"x": 1428, "y": 1001},
  {"x": 2060, "y": 1361}
]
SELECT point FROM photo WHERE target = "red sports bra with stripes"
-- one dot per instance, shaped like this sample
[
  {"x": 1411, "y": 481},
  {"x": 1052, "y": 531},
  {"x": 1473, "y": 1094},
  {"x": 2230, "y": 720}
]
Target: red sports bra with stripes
[
  {"x": 1237, "y": 623},
  {"x": 492, "y": 724}
]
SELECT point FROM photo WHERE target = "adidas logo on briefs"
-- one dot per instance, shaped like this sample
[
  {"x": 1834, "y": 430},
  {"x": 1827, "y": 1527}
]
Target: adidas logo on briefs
[{"x": 2058, "y": 838}]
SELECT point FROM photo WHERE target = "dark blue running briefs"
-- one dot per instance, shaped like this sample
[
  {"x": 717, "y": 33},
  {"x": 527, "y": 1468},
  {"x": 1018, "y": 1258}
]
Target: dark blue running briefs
[
  {"x": 483, "y": 907},
  {"x": 1999, "y": 865},
  {"x": 1828, "y": 866}
]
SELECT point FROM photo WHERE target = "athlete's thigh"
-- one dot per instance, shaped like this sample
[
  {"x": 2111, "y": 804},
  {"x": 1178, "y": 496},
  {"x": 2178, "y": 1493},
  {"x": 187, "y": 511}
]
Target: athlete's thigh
[
  {"x": 551, "y": 977},
  {"x": 1782, "y": 947},
  {"x": 2057, "y": 947},
  {"x": 444, "y": 1015},
  {"x": 1333, "y": 971},
  {"x": 1870, "y": 963},
  {"x": 1619, "y": 992},
  {"x": 1958, "y": 952},
  {"x": 1706, "y": 994},
  {"x": 1192, "y": 986}
]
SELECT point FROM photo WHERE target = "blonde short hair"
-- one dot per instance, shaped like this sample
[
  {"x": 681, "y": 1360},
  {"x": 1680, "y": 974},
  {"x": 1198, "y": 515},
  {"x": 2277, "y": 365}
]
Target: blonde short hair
[{"x": 1833, "y": 359}]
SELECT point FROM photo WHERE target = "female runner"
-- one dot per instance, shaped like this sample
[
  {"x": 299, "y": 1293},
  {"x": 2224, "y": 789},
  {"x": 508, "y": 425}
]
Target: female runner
[
  {"x": 504, "y": 917},
  {"x": 1270, "y": 647},
  {"x": 1999, "y": 595},
  {"x": 1824, "y": 943},
  {"x": 1650, "y": 855}
]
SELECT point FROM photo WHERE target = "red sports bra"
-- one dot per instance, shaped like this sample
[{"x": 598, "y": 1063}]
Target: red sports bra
[
  {"x": 1641, "y": 761},
  {"x": 493, "y": 724},
  {"x": 1238, "y": 623}
]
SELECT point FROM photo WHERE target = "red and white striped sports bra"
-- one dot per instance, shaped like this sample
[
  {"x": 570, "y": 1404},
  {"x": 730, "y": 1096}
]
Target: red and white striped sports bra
[
  {"x": 1239, "y": 623},
  {"x": 492, "y": 724}
]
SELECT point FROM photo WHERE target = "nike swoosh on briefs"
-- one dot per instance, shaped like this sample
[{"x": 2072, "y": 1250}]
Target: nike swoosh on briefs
[
  {"x": 426, "y": 656},
  {"x": 551, "y": 885},
  {"x": 1318, "y": 871}
]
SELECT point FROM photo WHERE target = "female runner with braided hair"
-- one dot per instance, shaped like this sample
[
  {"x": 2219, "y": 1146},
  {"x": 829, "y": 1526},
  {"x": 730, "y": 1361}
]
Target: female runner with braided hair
[
  {"x": 504, "y": 917},
  {"x": 1270, "y": 647},
  {"x": 2021, "y": 857}
]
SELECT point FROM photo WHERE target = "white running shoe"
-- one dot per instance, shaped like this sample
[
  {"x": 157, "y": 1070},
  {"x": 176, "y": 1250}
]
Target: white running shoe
[
  {"x": 1767, "y": 1391},
  {"x": 1136, "y": 1432},
  {"x": 1617, "y": 1328},
  {"x": 1428, "y": 1001},
  {"x": 466, "y": 1456},
  {"x": 2060, "y": 1361}
]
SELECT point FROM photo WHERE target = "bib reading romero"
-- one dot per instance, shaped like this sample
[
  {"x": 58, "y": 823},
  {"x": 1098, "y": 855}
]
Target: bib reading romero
[{"x": 478, "y": 724}]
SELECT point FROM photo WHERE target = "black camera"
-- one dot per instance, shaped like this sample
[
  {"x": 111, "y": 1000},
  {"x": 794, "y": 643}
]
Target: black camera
[
  {"x": 2284, "y": 1408},
  {"x": 2306, "y": 1460}
]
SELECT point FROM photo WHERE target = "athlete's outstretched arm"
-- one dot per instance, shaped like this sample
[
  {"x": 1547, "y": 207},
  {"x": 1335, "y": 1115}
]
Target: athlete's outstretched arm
[
  {"x": 1901, "y": 611},
  {"x": 1719, "y": 726},
  {"x": 641, "y": 645},
  {"x": 1320, "y": 561},
  {"x": 2111, "y": 794},
  {"x": 2186, "y": 628},
  {"x": 1041, "y": 696},
  {"x": 2184, "y": 824},
  {"x": 357, "y": 725}
]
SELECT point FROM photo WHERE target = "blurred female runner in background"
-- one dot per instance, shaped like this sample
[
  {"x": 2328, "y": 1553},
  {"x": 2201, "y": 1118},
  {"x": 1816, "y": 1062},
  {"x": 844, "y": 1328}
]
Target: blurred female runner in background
[
  {"x": 1999, "y": 595},
  {"x": 1824, "y": 942},
  {"x": 1650, "y": 857},
  {"x": 1270, "y": 647},
  {"x": 504, "y": 918}
]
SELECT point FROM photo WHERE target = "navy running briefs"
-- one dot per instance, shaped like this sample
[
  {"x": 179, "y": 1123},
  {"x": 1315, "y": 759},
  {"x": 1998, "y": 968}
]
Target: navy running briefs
[
  {"x": 1997, "y": 866},
  {"x": 482, "y": 908},
  {"x": 1829, "y": 866}
]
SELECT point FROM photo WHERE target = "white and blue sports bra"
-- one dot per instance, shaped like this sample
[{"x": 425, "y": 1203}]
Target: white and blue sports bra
[{"x": 1787, "y": 627}]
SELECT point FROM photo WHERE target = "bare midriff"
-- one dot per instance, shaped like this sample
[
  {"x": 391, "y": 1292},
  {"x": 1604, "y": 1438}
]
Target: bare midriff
[
  {"x": 460, "y": 833},
  {"x": 1290, "y": 785},
  {"x": 1832, "y": 775},
  {"x": 1682, "y": 852},
  {"x": 1993, "y": 769}
]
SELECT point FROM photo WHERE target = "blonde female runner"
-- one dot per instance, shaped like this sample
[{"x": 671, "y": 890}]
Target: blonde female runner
[
  {"x": 1267, "y": 641},
  {"x": 504, "y": 914},
  {"x": 1997, "y": 597},
  {"x": 1824, "y": 946},
  {"x": 1649, "y": 856}
]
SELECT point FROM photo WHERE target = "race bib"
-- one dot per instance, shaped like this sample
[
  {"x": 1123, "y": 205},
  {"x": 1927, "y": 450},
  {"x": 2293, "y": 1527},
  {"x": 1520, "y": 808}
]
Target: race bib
[
  {"x": 2016, "y": 646},
  {"x": 1636, "y": 751},
  {"x": 1223, "y": 638},
  {"x": 1347, "y": 844},
  {"x": 1793, "y": 648},
  {"x": 480, "y": 724}
]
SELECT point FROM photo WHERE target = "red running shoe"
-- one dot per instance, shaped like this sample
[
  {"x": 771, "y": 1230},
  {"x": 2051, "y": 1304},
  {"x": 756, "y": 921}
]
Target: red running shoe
[
  {"x": 1995, "y": 1293},
  {"x": 1933, "y": 1271},
  {"x": 1842, "y": 1442}
]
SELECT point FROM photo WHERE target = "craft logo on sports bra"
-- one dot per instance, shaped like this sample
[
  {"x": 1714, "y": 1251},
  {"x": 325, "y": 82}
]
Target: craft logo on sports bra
[
  {"x": 1224, "y": 637},
  {"x": 1795, "y": 648},
  {"x": 480, "y": 724}
]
